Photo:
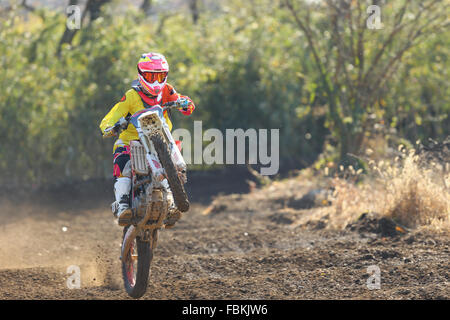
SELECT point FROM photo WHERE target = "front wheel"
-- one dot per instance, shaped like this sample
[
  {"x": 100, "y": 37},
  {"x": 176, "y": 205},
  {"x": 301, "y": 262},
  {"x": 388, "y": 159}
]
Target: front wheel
[
  {"x": 136, "y": 266},
  {"x": 179, "y": 195}
]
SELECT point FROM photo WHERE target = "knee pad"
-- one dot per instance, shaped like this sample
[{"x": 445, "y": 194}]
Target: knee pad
[{"x": 126, "y": 172}]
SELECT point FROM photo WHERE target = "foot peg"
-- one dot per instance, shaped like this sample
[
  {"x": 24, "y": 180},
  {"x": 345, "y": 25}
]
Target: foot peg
[{"x": 125, "y": 218}]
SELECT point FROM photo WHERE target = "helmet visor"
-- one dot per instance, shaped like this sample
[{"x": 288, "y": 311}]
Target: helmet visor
[{"x": 154, "y": 76}]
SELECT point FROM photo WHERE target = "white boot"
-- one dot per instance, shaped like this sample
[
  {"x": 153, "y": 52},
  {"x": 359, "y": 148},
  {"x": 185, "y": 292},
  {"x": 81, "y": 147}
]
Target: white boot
[{"x": 121, "y": 207}]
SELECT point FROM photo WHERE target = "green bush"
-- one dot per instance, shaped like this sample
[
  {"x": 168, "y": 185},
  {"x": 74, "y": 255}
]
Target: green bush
[{"x": 245, "y": 67}]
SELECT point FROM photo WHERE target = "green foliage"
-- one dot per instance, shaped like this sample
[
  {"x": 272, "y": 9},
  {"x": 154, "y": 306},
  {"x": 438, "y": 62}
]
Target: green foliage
[
  {"x": 354, "y": 68},
  {"x": 247, "y": 66}
]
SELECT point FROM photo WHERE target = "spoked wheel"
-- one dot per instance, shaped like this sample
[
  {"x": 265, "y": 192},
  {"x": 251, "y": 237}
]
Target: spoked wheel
[{"x": 136, "y": 267}]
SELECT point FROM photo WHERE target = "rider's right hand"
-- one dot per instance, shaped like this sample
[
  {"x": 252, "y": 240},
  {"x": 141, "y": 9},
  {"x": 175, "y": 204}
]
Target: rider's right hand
[
  {"x": 121, "y": 124},
  {"x": 109, "y": 132}
]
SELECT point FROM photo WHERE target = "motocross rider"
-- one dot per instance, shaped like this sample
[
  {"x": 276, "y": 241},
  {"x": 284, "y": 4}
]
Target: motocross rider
[{"x": 151, "y": 88}]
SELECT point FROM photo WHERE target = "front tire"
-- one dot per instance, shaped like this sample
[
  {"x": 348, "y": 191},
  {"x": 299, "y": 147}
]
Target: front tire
[{"x": 179, "y": 194}]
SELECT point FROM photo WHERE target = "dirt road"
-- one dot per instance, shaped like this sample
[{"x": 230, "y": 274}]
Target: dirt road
[{"x": 243, "y": 247}]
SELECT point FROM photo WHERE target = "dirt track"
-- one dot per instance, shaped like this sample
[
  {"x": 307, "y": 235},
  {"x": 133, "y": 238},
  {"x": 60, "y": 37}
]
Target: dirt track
[{"x": 245, "y": 247}]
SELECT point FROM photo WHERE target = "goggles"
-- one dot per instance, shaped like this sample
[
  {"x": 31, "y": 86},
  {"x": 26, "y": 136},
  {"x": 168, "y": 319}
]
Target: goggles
[{"x": 154, "y": 76}]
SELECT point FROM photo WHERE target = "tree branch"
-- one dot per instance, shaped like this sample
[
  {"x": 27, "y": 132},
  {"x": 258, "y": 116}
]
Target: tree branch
[
  {"x": 27, "y": 6},
  {"x": 415, "y": 37},
  {"x": 311, "y": 44},
  {"x": 331, "y": 94},
  {"x": 146, "y": 6}
]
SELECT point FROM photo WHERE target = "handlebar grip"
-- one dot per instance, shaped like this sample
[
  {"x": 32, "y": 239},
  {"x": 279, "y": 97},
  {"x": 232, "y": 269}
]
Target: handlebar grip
[
  {"x": 109, "y": 132},
  {"x": 169, "y": 104}
]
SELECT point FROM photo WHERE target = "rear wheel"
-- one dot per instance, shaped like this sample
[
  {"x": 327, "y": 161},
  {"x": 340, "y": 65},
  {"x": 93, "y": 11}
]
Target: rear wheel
[
  {"x": 136, "y": 266},
  {"x": 179, "y": 194}
]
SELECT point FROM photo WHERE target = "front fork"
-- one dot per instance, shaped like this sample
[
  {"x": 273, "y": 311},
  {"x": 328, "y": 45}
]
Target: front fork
[
  {"x": 176, "y": 156},
  {"x": 158, "y": 172}
]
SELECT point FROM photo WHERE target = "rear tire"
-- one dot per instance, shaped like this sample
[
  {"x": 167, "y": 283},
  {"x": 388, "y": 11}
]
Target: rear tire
[
  {"x": 179, "y": 194},
  {"x": 136, "y": 273}
]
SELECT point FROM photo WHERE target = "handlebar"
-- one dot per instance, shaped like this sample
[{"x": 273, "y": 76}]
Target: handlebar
[
  {"x": 122, "y": 124},
  {"x": 171, "y": 105}
]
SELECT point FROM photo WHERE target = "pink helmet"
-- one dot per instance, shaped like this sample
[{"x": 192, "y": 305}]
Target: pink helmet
[{"x": 153, "y": 69}]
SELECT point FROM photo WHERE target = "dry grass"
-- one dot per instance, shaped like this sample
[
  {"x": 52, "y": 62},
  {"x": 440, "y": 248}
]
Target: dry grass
[{"x": 410, "y": 192}]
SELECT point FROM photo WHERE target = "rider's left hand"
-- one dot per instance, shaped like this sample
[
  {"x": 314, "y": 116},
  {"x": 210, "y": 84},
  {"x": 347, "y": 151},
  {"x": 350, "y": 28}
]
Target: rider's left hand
[{"x": 184, "y": 104}]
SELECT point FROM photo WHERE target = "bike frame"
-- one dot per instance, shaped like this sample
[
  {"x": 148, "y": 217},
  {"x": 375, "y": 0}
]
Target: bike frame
[{"x": 148, "y": 122}]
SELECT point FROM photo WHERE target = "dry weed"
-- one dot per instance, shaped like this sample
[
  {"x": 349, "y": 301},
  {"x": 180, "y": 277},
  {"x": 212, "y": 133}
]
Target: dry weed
[{"x": 410, "y": 192}]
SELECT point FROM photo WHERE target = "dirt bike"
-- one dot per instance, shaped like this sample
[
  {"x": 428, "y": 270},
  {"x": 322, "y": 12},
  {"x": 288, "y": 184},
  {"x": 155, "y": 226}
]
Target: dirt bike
[{"x": 157, "y": 166}]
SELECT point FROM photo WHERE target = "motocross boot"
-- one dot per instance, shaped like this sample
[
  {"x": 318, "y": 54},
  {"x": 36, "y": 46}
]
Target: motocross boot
[{"x": 121, "y": 207}]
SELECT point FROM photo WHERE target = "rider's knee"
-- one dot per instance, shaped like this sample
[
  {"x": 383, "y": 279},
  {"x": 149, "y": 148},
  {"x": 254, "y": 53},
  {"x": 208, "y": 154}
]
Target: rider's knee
[
  {"x": 122, "y": 164},
  {"x": 126, "y": 172}
]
